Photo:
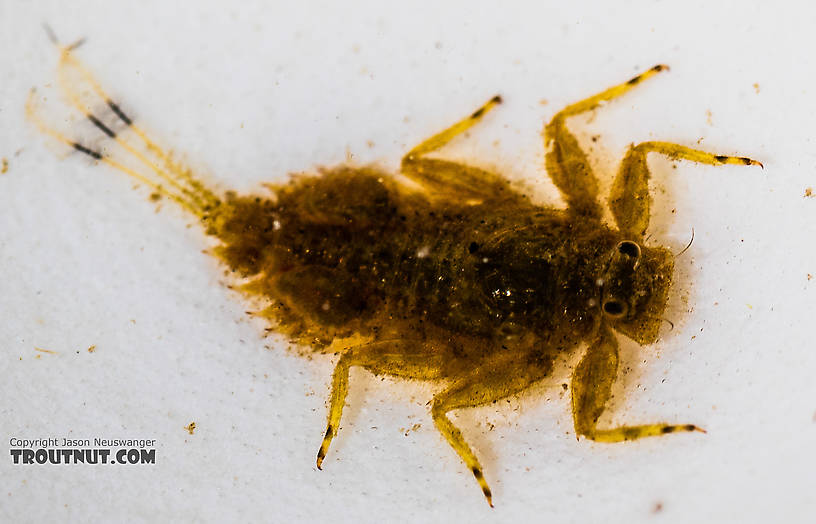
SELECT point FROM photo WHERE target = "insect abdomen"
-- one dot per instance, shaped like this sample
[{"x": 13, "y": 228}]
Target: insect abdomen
[{"x": 350, "y": 244}]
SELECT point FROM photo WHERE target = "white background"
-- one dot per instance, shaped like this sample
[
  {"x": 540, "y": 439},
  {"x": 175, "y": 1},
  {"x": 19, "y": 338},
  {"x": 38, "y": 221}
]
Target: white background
[{"x": 252, "y": 92}]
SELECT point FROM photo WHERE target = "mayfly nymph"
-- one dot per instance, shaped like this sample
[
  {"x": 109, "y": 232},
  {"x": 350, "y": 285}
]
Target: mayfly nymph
[{"x": 464, "y": 280}]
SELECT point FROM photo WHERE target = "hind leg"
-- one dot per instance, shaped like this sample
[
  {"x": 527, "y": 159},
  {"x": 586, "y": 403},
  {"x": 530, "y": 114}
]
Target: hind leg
[
  {"x": 382, "y": 355},
  {"x": 453, "y": 179}
]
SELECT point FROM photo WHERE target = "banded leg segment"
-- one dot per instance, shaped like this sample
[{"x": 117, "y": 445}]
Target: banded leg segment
[
  {"x": 452, "y": 178},
  {"x": 567, "y": 164},
  {"x": 496, "y": 379},
  {"x": 629, "y": 198},
  {"x": 382, "y": 355},
  {"x": 337, "y": 400},
  {"x": 591, "y": 389},
  {"x": 441, "y": 139}
]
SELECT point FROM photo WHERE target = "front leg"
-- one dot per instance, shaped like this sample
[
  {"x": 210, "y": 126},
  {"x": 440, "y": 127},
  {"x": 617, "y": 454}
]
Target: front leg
[
  {"x": 629, "y": 198},
  {"x": 591, "y": 388},
  {"x": 502, "y": 376}
]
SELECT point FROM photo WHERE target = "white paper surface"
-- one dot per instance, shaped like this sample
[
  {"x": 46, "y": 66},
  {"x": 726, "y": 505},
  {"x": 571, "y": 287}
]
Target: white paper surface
[{"x": 257, "y": 90}]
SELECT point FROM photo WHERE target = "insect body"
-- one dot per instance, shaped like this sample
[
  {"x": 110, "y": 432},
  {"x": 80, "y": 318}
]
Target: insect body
[{"x": 464, "y": 281}]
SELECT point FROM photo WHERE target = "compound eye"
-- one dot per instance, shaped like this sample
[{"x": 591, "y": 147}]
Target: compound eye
[
  {"x": 615, "y": 308},
  {"x": 629, "y": 248}
]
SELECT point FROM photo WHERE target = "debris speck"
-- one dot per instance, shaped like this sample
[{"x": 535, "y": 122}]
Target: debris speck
[
  {"x": 92, "y": 348},
  {"x": 808, "y": 192},
  {"x": 412, "y": 428},
  {"x": 3, "y": 165},
  {"x": 191, "y": 427},
  {"x": 756, "y": 87},
  {"x": 41, "y": 350}
]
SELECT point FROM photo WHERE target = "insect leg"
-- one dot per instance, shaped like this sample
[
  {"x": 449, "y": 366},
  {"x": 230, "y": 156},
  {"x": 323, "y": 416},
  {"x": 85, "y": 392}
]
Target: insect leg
[
  {"x": 440, "y": 139},
  {"x": 452, "y": 178},
  {"x": 591, "y": 388},
  {"x": 389, "y": 356},
  {"x": 337, "y": 399},
  {"x": 567, "y": 164},
  {"x": 494, "y": 380},
  {"x": 629, "y": 198}
]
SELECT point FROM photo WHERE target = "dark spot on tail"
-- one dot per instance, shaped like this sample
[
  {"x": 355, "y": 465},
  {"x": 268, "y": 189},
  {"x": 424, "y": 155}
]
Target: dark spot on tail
[
  {"x": 479, "y": 112},
  {"x": 102, "y": 127},
  {"x": 690, "y": 427},
  {"x": 746, "y": 161},
  {"x": 328, "y": 432},
  {"x": 721, "y": 158},
  {"x": 668, "y": 429},
  {"x": 89, "y": 152},
  {"x": 658, "y": 68},
  {"x": 122, "y": 116},
  {"x": 478, "y": 474},
  {"x": 497, "y": 99},
  {"x": 634, "y": 80}
]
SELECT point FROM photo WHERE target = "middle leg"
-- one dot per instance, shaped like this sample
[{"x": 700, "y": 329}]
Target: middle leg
[
  {"x": 498, "y": 378},
  {"x": 567, "y": 164}
]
